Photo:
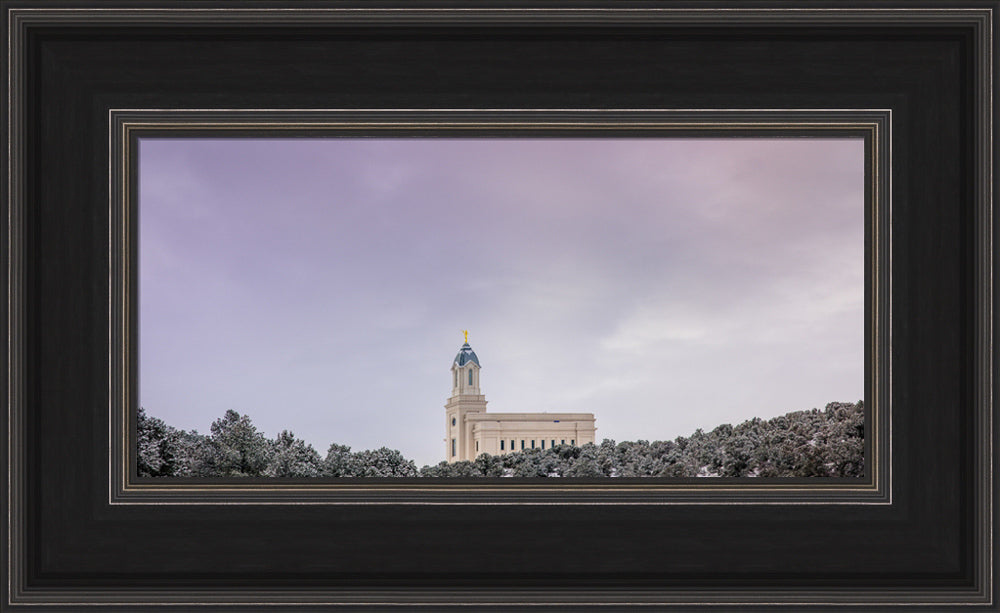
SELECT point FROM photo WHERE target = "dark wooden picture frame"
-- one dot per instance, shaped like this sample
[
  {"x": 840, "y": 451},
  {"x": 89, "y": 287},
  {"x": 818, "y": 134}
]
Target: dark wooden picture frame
[{"x": 76, "y": 536}]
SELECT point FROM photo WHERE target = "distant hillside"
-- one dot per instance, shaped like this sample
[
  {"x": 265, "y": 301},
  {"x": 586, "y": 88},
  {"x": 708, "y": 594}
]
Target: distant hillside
[{"x": 814, "y": 443}]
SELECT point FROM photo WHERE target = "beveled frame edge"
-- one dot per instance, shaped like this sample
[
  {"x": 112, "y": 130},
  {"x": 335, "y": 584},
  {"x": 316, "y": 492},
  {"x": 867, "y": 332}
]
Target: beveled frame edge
[
  {"x": 980, "y": 17},
  {"x": 127, "y": 126}
]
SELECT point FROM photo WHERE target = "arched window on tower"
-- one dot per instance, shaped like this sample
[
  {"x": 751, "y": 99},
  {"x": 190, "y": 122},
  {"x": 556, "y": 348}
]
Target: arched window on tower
[
  {"x": 470, "y": 376},
  {"x": 456, "y": 378}
]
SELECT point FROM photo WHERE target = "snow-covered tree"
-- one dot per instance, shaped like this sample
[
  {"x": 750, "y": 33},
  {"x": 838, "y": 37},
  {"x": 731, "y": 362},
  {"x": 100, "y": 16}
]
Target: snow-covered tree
[
  {"x": 237, "y": 448},
  {"x": 291, "y": 457},
  {"x": 157, "y": 452},
  {"x": 383, "y": 462},
  {"x": 339, "y": 461},
  {"x": 193, "y": 452},
  {"x": 463, "y": 468}
]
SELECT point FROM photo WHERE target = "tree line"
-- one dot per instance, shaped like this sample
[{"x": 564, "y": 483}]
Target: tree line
[{"x": 813, "y": 443}]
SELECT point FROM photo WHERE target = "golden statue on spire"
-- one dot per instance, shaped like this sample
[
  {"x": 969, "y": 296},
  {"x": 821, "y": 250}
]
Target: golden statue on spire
[{"x": 466, "y": 333}]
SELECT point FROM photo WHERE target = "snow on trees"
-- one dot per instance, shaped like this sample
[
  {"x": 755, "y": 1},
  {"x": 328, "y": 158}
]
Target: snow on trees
[{"x": 828, "y": 443}]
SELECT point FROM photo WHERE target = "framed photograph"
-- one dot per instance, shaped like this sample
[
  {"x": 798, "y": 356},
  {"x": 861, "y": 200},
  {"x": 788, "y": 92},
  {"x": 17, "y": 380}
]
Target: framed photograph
[
  {"x": 732, "y": 267},
  {"x": 464, "y": 181}
]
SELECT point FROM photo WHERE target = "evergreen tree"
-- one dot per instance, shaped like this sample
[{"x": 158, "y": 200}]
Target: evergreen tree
[
  {"x": 383, "y": 462},
  {"x": 157, "y": 447},
  {"x": 462, "y": 468},
  {"x": 339, "y": 461},
  {"x": 291, "y": 457},
  {"x": 237, "y": 449},
  {"x": 193, "y": 451}
]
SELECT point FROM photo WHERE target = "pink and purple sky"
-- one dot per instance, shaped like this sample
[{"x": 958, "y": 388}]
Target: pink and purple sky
[{"x": 321, "y": 285}]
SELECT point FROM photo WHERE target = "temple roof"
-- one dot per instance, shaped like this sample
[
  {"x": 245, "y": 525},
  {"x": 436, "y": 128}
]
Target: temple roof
[{"x": 466, "y": 355}]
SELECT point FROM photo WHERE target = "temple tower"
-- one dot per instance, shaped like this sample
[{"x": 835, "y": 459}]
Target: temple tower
[{"x": 465, "y": 399}]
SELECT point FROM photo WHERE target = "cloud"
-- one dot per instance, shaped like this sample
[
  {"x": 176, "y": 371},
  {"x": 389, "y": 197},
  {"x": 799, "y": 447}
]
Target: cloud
[{"x": 646, "y": 328}]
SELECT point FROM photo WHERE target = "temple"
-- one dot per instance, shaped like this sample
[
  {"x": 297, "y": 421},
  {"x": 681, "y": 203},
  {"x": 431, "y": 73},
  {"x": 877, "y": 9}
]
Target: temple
[{"x": 471, "y": 430}]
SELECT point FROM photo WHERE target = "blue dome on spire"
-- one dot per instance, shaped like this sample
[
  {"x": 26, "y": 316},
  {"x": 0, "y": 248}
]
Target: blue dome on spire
[{"x": 466, "y": 355}]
